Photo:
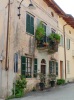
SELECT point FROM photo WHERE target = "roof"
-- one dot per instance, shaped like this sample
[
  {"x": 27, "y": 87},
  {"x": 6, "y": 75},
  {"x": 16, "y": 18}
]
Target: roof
[{"x": 67, "y": 17}]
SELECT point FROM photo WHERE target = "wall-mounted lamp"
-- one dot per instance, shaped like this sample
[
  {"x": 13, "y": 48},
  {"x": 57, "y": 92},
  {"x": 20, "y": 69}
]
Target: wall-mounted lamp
[{"x": 31, "y": 6}]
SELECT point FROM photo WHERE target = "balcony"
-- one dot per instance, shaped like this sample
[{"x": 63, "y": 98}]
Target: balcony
[
  {"x": 43, "y": 42},
  {"x": 50, "y": 47}
]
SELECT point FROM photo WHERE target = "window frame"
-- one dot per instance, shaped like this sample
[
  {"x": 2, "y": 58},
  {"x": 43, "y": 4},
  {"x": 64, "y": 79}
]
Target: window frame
[
  {"x": 27, "y": 67},
  {"x": 54, "y": 71}
]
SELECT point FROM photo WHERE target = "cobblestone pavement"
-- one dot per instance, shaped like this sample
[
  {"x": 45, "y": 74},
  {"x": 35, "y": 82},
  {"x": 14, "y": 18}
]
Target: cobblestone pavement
[{"x": 65, "y": 92}]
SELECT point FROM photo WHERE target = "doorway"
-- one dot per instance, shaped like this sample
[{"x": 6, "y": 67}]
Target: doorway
[
  {"x": 43, "y": 66},
  {"x": 61, "y": 69}
]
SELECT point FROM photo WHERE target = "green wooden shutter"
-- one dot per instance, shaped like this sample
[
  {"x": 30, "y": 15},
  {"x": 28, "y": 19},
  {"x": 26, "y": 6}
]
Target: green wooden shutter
[
  {"x": 35, "y": 67},
  {"x": 28, "y": 23},
  {"x": 32, "y": 25},
  {"x": 56, "y": 68},
  {"x": 23, "y": 65},
  {"x": 50, "y": 67}
]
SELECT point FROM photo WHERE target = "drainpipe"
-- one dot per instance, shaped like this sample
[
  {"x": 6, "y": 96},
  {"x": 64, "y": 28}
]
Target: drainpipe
[
  {"x": 6, "y": 61},
  {"x": 64, "y": 49}
]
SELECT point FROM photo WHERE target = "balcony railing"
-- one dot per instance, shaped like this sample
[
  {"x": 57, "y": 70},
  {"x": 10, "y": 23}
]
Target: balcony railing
[{"x": 44, "y": 44}]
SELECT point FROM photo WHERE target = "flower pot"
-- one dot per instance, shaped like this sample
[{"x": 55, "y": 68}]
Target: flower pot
[
  {"x": 52, "y": 83},
  {"x": 41, "y": 86}
]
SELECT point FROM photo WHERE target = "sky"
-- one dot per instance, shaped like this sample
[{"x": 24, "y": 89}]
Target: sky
[{"x": 66, "y": 5}]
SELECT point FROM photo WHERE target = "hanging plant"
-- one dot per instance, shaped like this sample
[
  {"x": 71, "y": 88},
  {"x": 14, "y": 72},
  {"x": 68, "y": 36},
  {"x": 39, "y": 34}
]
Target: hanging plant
[{"x": 40, "y": 32}]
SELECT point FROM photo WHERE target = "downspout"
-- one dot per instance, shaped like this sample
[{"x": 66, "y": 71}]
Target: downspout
[
  {"x": 64, "y": 49},
  {"x": 6, "y": 62}
]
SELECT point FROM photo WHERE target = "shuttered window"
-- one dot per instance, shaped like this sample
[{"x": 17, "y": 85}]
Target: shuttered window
[
  {"x": 68, "y": 44},
  {"x": 30, "y": 24},
  {"x": 15, "y": 62},
  {"x": 26, "y": 66},
  {"x": 35, "y": 67},
  {"x": 53, "y": 67}
]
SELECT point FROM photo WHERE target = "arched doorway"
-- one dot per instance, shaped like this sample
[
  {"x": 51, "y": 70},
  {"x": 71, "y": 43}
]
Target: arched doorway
[{"x": 43, "y": 66}]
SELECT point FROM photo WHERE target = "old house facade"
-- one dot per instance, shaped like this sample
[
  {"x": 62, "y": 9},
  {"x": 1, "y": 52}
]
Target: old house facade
[{"x": 23, "y": 55}]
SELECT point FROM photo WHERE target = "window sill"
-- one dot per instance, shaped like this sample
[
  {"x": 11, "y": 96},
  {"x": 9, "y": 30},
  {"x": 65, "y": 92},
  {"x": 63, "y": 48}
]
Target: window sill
[
  {"x": 61, "y": 45},
  {"x": 29, "y": 34}
]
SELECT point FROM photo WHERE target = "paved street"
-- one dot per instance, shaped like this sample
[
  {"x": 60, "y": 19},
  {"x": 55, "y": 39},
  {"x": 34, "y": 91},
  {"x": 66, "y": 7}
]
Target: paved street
[{"x": 65, "y": 92}]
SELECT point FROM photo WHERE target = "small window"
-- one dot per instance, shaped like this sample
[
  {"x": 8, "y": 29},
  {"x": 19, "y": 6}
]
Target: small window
[
  {"x": 68, "y": 67},
  {"x": 52, "y": 14},
  {"x": 53, "y": 30},
  {"x": 69, "y": 32},
  {"x": 30, "y": 24},
  {"x": 68, "y": 44}
]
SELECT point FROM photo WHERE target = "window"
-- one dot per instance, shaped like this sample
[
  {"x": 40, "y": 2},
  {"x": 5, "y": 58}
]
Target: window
[
  {"x": 68, "y": 67},
  {"x": 26, "y": 66},
  {"x": 52, "y": 14},
  {"x": 15, "y": 62},
  {"x": 69, "y": 32},
  {"x": 44, "y": 26},
  {"x": 53, "y": 30},
  {"x": 61, "y": 40},
  {"x": 68, "y": 44},
  {"x": 53, "y": 67},
  {"x": 30, "y": 24}
]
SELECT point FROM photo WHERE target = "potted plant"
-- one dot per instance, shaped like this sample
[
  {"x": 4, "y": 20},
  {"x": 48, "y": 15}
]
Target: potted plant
[
  {"x": 39, "y": 34},
  {"x": 54, "y": 40},
  {"x": 52, "y": 79},
  {"x": 42, "y": 81}
]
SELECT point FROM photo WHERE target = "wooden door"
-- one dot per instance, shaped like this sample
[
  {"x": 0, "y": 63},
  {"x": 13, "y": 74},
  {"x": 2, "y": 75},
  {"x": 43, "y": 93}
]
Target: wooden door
[{"x": 43, "y": 69}]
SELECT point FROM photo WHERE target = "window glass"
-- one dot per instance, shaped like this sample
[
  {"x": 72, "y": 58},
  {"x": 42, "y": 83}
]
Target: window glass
[
  {"x": 53, "y": 67},
  {"x": 15, "y": 62}
]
